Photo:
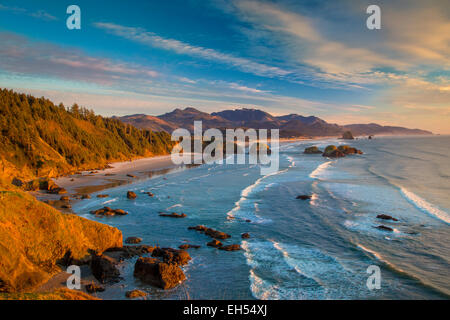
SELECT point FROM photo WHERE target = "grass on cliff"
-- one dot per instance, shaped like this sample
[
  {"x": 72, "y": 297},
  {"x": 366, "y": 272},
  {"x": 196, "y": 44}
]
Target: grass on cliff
[
  {"x": 60, "y": 294},
  {"x": 34, "y": 237}
]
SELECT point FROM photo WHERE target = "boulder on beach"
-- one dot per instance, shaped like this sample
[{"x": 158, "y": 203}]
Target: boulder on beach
[
  {"x": 384, "y": 228},
  {"x": 304, "y": 197},
  {"x": 386, "y": 217},
  {"x": 214, "y": 243},
  {"x": 173, "y": 215},
  {"x": 131, "y": 195},
  {"x": 133, "y": 240},
  {"x": 347, "y": 135},
  {"x": 172, "y": 256},
  {"x": 333, "y": 152},
  {"x": 135, "y": 294},
  {"x": 230, "y": 247},
  {"x": 157, "y": 273},
  {"x": 312, "y": 150},
  {"x": 104, "y": 268}
]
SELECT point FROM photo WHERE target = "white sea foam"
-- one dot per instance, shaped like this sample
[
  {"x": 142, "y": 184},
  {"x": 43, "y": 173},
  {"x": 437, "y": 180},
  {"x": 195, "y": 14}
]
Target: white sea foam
[
  {"x": 109, "y": 201},
  {"x": 320, "y": 169},
  {"x": 377, "y": 256},
  {"x": 174, "y": 206},
  {"x": 247, "y": 192},
  {"x": 425, "y": 206}
]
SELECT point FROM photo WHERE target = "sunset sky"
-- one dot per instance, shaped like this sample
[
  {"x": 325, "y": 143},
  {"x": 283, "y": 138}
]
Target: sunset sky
[{"x": 308, "y": 57}]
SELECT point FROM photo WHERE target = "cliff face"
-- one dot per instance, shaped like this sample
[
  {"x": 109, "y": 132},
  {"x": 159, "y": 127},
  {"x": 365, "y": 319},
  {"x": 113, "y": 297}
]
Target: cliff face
[{"x": 35, "y": 236}]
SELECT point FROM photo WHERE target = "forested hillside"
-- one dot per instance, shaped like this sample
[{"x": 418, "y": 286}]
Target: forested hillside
[{"x": 39, "y": 138}]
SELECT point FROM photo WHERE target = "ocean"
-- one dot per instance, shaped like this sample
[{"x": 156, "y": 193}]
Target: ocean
[{"x": 315, "y": 249}]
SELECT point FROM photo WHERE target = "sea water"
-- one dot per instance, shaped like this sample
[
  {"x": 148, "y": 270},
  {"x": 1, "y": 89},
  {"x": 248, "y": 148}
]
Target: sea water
[{"x": 315, "y": 249}]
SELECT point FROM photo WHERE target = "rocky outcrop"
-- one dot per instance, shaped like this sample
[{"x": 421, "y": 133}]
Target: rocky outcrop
[
  {"x": 386, "y": 217},
  {"x": 102, "y": 196},
  {"x": 211, "y": 232},
  {"x": 304, "y": 197},
  {"x": 127, "y": 252},
  {"x": 333, "y": 152},
  {"x": 173, "y": 215},
  {"x": 172, "y": 256},
  {"x": 384, "y": 228},
  {"x": 92, "y": 288},
  {"x": 108, "y": 212},
  {"x": 157, "y": 273},
  {"x": 313, "y": 150},
  {"x": 104, "y": 268},
  {"x": 131, "y": 195},
  {"x": 347, "y": 150},
  {"x": 188, "y": 246},
  {"x": 231, "y": 247},
  {"x": 347, "y": 135},
  {"x": 135, "y": 294},
  {"x": 214, "y": 243},
  {"x": 35, "y": 237}
]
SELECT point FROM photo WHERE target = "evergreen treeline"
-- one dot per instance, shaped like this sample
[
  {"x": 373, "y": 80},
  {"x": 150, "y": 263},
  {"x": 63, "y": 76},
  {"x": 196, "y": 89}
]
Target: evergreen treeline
[{"x": 45, "y": 139}]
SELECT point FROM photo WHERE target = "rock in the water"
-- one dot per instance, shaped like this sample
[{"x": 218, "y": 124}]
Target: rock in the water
[
  {"x": 131, "y": 195},
  {"x": 131, "y": 175},
  {"x": 64, "y": 198},
  {"x": 133, "y": 240},
  {"x": 188, "y": 246},
  {"x": 66, "y": 206},
  {"x": 347, "y": 135},
  {"x": 304, "y": 197},
  {"x": 108, "y": 212},
  {"x": 172, "y": 256},
  {"x": 231, "y": 247},
  {"x": 104, "y": 268},
  {"x": 211, "y": 232},
  {"x": 386, "y": 217},
  {"x": 127, "y": 252},
  {"x": 214, "y": 243},
  {"x": 102, "y": 196},
  {"x": 157, "y": 273},
  {"x": 85, "y": 196},
  {"x": 245, "y": 235},
  {"x": 313, "y": 150},
  {"x": 173, "y": 215},
  {"x": 135, "y": 294},
  {"x": 92, "y": 288},
  {"x": 384, "y": 228},
  {"x": 333, "y": 152},
  {"x": 349, "y": 150},
  {"x": 149, "y": 194}
]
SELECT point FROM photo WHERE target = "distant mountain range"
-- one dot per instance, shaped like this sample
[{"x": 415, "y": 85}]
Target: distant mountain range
[{"x": 292, "y": 125}]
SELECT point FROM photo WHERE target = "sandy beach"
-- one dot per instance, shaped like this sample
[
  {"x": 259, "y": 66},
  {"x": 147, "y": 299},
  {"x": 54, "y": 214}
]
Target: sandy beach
[{"x": 119, "y": 173}]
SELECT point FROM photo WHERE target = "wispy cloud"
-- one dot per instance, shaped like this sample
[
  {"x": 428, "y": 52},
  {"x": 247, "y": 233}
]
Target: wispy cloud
[
  {"x": 22, "y": 56},
  {"x": 153, "y": 40},
  {"x": 40, "y": 14}
]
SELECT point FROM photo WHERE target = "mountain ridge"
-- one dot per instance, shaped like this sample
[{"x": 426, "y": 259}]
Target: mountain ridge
[{"x": 290, "y": 125}]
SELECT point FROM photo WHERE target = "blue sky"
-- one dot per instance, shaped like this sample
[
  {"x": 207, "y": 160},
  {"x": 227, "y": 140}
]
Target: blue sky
[{"x": 308, "y": 57}]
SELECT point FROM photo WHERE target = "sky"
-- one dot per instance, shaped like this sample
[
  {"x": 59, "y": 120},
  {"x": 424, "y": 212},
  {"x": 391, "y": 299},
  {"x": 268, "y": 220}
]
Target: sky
[{"x": 308, "y": 57}]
